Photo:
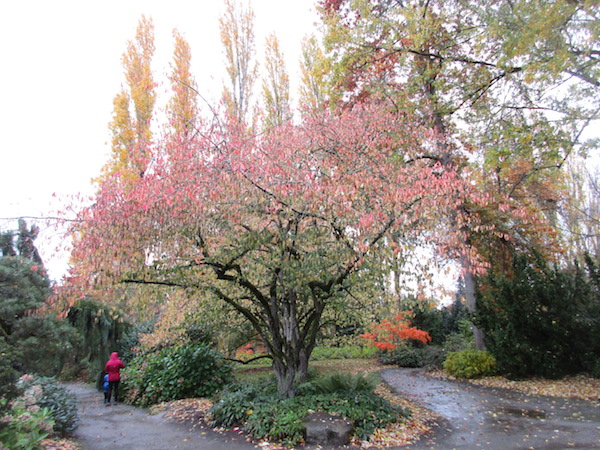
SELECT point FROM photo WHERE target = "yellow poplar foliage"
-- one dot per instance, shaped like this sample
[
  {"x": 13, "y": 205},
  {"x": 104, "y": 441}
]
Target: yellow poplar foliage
[
  {"x": 133, "y": 109},
  {"x": 183, "y": 106},
  {"x": 276, "y": 84},
  {"x": 313, "y": 69}
]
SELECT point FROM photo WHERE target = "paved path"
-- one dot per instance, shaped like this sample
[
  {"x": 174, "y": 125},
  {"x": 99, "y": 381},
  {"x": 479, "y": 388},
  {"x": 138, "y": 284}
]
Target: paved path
[
  {"x": 474, "y": 417},
  {"x": 125, "y": 427},
  {"x": 479, "y": 417}
]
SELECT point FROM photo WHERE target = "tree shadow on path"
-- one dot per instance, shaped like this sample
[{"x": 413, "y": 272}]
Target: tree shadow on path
[{"x": 480, "y": 417}]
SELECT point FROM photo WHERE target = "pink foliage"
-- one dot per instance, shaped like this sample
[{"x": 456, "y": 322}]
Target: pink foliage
[{"x": 338, "y": 177}]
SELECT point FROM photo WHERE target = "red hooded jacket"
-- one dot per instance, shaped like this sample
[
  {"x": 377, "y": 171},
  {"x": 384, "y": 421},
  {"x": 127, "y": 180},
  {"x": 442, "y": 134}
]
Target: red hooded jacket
[{"x": 113, "y": 367}]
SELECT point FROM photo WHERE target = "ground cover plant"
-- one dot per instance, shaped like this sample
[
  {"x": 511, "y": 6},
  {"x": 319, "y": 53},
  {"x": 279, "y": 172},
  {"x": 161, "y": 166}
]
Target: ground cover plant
[{"x": 256, "y": 407}]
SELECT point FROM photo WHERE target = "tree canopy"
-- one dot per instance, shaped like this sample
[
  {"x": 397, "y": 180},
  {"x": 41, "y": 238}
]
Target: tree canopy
[{"x": 441, "y": 129}]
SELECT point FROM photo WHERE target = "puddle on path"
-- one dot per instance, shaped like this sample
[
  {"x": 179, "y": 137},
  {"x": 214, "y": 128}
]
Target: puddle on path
[{"x": 532, "y": 413}]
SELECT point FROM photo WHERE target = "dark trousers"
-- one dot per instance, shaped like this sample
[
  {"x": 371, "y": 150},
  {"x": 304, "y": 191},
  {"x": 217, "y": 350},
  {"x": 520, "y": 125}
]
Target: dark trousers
[
  {"x": 113, "y": 390},
  {"x": 106, "y": 397}
]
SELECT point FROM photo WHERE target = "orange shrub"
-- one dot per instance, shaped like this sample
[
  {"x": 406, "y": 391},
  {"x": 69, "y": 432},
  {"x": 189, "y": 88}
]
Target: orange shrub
[{"x": 388, "y": 333}]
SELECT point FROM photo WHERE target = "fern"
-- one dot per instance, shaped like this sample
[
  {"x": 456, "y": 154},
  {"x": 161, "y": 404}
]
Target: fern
[{"x": 342, "y": 383}]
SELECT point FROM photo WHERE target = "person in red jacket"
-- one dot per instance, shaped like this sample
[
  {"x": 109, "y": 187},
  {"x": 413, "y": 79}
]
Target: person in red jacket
[{"x": 113, "y": 368}]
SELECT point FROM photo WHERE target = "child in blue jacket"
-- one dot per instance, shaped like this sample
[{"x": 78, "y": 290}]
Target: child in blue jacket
[{"x": 105, "y": 388}]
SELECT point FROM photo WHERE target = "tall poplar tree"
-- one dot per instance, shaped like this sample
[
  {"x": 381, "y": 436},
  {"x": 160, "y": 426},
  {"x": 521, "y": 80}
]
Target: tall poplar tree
[
  {"x": 313, "y": 80},
  {"x": 580, "y": 217},
  {"x": 237, "y": 37},
  {"x": 183, "y": 105},
  {"x": 276, "y": 84},
  {"x": 133, "y": 109}
]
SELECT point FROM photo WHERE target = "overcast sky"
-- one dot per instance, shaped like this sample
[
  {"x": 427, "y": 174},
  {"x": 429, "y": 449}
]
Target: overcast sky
[{"x": 62, "y": 69}]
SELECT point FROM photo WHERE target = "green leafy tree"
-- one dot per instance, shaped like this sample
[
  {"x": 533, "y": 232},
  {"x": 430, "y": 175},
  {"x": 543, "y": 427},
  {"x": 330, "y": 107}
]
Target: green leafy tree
[
  {"x": 487, "y": 82},
  {"x": 46, "y": 345},
  {"x": 37, "y": 341},
  {"x": 23, "y": 288}
]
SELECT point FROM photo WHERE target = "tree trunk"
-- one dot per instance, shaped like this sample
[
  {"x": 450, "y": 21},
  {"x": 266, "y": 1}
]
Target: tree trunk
[
  {"x": 469, "y": 280},
  {"x": 286, "y": 376},
  {"x": 303, "y": 366}
]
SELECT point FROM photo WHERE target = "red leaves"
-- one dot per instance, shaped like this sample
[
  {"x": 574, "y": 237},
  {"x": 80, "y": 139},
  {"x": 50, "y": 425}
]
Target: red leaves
[{"x": 387, "y": 334}]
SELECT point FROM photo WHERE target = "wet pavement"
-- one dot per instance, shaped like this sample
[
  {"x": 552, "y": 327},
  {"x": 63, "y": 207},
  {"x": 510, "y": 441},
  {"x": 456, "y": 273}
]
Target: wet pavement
[
  {"x": 479, "y": 417},
  {"x": 473, "y": 417},
  {"x": 126, "y": 427}
]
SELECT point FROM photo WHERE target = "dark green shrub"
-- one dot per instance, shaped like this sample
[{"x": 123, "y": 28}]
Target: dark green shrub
[
  {"x": 470, "y": 363},
  {"x": 175, "y": 373},
  {"x": 456, "y": 315},
  {"x": 595, "y": 370},
  {"x": 60, "y": 402},
  {"x": 8, "y": 375},
  {"x": 461, "y": 340},
  {"x": 541, "y": 321},
  {"x": 403, "y": 356},
  {"x": 277, "y": 419},
  {"x": 439, "y": 323},
  {"x": 45, "y": 343},
  {"x": 430, "y": 356},
  {"x": 433, "y": 356},
  {"x": 235, "y": 403},
  {"x": 428, "y": 318}
]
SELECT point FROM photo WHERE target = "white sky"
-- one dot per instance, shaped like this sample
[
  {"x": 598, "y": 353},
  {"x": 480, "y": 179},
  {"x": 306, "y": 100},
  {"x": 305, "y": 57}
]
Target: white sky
[{"x": 62, "y": 69}]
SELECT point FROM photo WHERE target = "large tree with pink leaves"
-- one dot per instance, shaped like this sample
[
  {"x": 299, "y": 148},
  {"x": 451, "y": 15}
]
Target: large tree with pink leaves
[{"x": 277, "y": 225}]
